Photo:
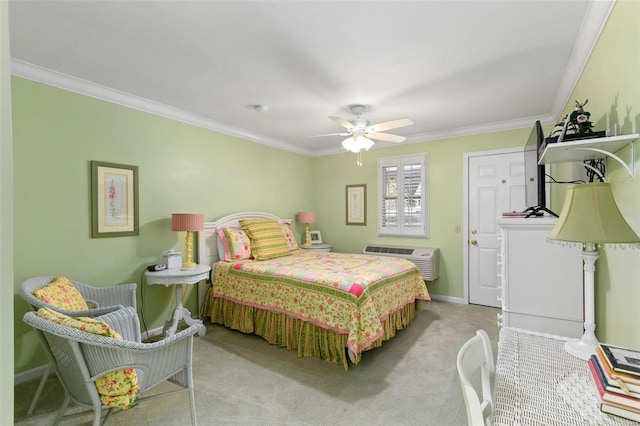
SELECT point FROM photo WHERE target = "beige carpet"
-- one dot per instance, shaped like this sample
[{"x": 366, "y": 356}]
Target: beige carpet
[{"x": 242, "y": 380}]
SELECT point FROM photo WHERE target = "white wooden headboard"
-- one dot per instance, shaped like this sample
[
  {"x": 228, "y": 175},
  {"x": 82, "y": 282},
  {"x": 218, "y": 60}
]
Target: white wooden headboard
[{"x": 208, "y": 242}]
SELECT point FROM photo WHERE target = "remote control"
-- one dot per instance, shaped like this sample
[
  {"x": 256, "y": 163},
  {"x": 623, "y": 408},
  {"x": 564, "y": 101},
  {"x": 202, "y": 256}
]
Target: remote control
[{"x": 156, "y": 268}]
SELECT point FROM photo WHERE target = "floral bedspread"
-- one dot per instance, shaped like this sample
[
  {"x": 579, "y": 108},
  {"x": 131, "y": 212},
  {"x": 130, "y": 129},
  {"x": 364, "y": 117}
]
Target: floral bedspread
[{"x": 348, "y": 293}]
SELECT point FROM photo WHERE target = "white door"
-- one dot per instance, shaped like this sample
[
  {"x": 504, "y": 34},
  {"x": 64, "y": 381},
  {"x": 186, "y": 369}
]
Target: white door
[{"x": 495, "y": 185}]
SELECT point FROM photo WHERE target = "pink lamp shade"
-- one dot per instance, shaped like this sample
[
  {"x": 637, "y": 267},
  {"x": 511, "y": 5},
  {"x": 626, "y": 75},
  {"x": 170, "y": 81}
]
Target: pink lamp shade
[
  {"x": 306, "y": 217},
  {"x": 187, "y": 222}
]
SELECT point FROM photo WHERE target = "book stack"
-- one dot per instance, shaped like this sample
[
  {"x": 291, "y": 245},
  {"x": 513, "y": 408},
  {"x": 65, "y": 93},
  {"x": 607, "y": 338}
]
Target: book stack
[{"x": 616, "y": 375}]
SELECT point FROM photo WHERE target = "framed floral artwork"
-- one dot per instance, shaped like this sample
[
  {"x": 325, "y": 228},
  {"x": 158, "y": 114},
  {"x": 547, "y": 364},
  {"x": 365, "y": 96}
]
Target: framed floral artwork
[
  {"x": 114, "y": 200},
  {"x": 356, "y": 204}
]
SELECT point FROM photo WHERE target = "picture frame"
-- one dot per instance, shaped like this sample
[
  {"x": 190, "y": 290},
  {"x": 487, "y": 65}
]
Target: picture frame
[
  {"x": 316, "y": 237},
  {"x": 356, "y": 204},
  {"x": 114, "y": 200}
]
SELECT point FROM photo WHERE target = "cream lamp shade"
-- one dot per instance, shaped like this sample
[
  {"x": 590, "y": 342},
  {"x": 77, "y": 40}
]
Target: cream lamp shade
[
  {"x": 307, "y": 218},
  {"x": 590, "y": 217},
  {"x": 188, "y": 222}
]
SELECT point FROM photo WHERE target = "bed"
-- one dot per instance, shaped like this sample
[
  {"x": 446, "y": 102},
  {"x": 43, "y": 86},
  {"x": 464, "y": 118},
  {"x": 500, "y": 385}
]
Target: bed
[{"x": 333, "y": 306}]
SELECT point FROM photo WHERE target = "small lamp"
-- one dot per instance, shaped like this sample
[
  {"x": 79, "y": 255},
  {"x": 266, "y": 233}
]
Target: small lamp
[
  {"x": 188, "y": 222},
  {"x": 590, "y": 217},
  {"x": 307, "y": 218}
]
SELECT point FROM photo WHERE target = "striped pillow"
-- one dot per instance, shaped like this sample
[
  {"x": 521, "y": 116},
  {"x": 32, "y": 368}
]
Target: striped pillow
[{"x": 267, "y": 238}]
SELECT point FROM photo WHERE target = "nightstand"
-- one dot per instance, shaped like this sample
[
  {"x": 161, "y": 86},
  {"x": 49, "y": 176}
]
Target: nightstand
[
  {"x": 179, "y": 278},
  {"x": 317, "y": 247}
]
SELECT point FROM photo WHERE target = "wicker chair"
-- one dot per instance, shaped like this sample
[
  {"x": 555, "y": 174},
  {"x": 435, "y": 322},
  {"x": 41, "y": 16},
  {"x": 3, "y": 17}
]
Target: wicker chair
[
  {"x": 101, "y": 299},
  {"x": 475, "y": 358},
  {"x": 82, "y": 357}
]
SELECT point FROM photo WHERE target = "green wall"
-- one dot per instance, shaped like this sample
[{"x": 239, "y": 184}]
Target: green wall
[
  {"x": 445, "y": 199},
  {"x": 182, "y": 168},
  {"x": 188, "y": 169},
  {"x": 611, "y": 82}
]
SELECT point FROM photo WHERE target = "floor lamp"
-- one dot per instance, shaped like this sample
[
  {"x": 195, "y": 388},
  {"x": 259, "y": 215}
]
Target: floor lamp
[{"x": 591, "y": 218}]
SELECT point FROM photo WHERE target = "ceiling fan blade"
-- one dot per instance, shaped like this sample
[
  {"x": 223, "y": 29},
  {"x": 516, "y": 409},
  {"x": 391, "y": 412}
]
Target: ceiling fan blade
[
  {"x": 387, "y": 137},
  {"x": 344, "y": 123},
  {"x": 327, "y": 134},
  {"x": 388, "y": 125}
]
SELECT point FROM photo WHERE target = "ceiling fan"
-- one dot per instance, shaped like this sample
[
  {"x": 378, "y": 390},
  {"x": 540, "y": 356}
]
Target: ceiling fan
[{"x": 361, "y": 131}]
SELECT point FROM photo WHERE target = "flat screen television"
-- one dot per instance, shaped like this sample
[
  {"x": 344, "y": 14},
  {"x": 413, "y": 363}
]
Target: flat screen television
[{"x": 534, "y": 174}]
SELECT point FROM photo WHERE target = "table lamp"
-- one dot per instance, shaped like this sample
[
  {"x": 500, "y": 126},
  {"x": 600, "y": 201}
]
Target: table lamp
[
  {"x": 188, "y": 222},
  {"x": 306, "y": 218},
  {"x": 590, "y": 217}
]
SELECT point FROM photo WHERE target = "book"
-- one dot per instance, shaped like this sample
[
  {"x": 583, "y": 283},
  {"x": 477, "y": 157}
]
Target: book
[
  {"x": 625, "y": 381},
  {"x": 514, "y": 214},
  {"x": 522, "y": 214},
  {"x": 611, "y": 384},
  {"x": 623, "y": 401},
  {"x": 622, "y": 360},
  {"x": 619, "y": 411}
]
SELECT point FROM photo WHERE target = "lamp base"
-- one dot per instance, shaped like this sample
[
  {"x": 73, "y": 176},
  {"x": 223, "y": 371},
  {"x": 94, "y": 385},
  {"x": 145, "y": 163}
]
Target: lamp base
[
  {"x": 307, "y": 236},
  {"x": 189, "y": 265},
  {"x": 580, "y": 348}
]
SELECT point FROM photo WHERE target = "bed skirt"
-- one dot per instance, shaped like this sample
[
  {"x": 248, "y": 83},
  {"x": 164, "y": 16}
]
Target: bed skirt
[{"x": 309, "y": 340}]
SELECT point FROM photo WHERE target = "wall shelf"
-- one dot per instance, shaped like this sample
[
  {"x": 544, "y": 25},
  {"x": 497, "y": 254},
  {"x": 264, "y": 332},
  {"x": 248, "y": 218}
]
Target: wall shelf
[{"x": 590, "y": 149}]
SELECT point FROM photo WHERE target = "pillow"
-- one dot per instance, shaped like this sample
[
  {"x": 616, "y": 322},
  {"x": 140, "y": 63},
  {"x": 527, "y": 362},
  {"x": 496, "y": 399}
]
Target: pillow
[
  {"x": 267, "y": 238},
  {"x": 288, "y": 235},
  {"x": 236, "y": 244},
  {"x": 116, "y": 389},
  {"x": 61, "y": 293}
]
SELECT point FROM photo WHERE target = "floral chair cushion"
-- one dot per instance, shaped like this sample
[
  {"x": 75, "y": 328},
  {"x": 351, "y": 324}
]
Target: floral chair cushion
[
  {"x": 61, "y": 293},
  {"x": 116, "y": 389}
]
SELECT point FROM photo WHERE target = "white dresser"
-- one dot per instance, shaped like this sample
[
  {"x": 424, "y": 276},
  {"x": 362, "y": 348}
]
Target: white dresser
[{"x": 541, "y": 282}]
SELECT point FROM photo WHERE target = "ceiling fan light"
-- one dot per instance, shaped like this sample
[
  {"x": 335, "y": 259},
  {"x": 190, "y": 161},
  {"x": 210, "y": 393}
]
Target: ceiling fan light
[
  {"x": 364, "y": 142},
  {"x": 350, "y": 144}
]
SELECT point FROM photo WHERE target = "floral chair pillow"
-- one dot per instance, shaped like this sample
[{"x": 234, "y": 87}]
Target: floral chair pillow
[
  {"x": 61, "y": 293},
  {"x": 116, "y": 389}
]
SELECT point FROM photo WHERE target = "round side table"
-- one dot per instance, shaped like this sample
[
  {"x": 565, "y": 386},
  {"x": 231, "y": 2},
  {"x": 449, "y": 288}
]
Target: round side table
[
  {"x": 316, "y": 247},
  {"x": 179, "y": 278}
]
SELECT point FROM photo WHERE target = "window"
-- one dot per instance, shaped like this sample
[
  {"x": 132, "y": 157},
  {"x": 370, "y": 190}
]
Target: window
[{"x": 403, "y": 204}]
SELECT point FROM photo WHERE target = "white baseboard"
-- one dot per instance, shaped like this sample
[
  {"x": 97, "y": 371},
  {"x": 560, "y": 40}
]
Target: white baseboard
[
  {"x": 152, "y": 333},
  {"x": 36, "y": 373},
  {"x": 30, "y": 375},
  {"x": 449, "y": 299}
]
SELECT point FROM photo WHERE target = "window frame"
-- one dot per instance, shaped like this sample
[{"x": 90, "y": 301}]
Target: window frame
[{"x": 400, "y": 162}]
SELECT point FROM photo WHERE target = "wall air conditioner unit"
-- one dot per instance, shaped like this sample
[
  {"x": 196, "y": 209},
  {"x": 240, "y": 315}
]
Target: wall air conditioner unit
[{"x": 426, "y": 259}]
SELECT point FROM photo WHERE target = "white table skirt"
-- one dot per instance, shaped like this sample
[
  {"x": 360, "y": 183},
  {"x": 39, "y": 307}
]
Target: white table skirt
[{"x": 538, "y": 383}]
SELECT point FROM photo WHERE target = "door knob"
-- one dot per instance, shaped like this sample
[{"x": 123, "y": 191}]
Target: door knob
[
  {"x": 474, "y": 242},
  {"x": 474, "y": 231}
]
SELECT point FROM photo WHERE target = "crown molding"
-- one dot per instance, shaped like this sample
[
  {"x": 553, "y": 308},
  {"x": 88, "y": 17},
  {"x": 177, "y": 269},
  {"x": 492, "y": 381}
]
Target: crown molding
[
  {"x": 83, "y": 87},
  {"x": 592, "y": 26}
]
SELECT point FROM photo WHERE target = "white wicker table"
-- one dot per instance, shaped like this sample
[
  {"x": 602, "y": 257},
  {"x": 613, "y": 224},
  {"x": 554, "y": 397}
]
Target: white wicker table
[{"x": 538, "y": 383}]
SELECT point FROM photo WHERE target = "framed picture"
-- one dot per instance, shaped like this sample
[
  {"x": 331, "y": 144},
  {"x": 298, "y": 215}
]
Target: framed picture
[
  {"x": 356, "y": 204},
  {"x": 114, "y": 200},
  {"x": 316, "y": 237}
]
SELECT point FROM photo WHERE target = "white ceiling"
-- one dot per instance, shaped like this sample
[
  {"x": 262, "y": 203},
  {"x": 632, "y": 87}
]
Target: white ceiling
[{"x": 453, "y": 67}]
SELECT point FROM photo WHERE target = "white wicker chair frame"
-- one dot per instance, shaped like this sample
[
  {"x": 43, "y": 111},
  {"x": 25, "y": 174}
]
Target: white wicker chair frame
[
  {"x": 476, "y": 356},
  {"x": 101, "y": 299},
  {"x": 81, "y": 358}
]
